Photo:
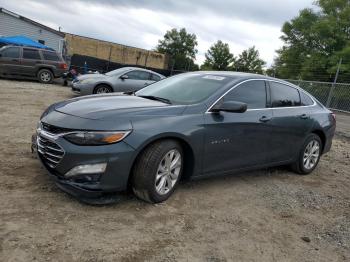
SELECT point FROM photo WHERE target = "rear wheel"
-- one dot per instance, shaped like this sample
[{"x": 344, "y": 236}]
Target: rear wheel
[
  {"x": 102, "y": 89},
  {"x": 158, "y": 171},
  {"x": 45, "y": 76},
  {"x": 309, "y": 155}
]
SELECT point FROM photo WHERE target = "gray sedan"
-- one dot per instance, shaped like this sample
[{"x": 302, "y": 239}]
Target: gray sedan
[
  {"x": 191, "y": 125},
  {"x": 126, "y": 79}
]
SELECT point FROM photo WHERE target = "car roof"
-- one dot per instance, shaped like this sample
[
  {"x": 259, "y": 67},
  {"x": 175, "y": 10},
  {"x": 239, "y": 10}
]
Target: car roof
[
  {"x": 142, "y": 69},
  {"x": 239, "y": 76},
  {"x": 30, "y": 47}
]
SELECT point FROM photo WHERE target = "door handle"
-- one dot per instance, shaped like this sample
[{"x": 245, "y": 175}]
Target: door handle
[
  {"x": 14, "y": 60},
  {"x": 304, "y": 116},
  {"x": 264, "y": 119}
]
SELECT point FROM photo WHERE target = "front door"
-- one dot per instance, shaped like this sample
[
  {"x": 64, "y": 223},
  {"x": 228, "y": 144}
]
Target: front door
[{"x": 238, "y": 140}]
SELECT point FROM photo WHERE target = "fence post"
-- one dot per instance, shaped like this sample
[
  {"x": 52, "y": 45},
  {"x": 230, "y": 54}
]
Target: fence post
[{"x": 333, "y": 85}]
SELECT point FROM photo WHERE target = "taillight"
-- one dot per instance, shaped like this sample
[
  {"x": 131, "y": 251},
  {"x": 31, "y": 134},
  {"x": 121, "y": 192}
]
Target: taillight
[
  {"x": 333, "y": 116},
  {"x": 63, "y": 66}
]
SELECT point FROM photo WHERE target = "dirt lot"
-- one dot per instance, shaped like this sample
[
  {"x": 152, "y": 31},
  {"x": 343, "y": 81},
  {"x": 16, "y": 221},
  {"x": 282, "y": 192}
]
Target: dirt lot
[{"x": 266, "y": 215}]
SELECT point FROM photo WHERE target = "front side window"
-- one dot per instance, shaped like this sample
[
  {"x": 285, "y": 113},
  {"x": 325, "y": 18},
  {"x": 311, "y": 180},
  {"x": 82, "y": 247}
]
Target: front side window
[
  {"x": 31, "y": 54},
  {"x": 253, "y": 93},
  {"x": 155, "y": 77},
  {"x": 138, "y": 75},
  {"x": 11, "y": 52},
  {"x": 186, "y": 88},
  {"x": 51, "y": 56},
  {"x": 283, "y": 95}
]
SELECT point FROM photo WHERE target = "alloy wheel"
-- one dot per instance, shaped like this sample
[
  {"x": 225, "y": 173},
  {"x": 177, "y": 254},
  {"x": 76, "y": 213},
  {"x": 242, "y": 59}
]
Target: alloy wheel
[
  {"x": 45, "y": 77},
  {"x": 102, "y": 90},
  {"x": 311, "y": 154},
  {"x": 168, "y": 172}
]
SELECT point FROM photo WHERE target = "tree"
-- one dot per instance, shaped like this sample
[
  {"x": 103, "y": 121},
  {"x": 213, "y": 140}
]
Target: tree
[
  {"x": 249, "y": 61},
  {"x": 218, "y": 57},
  {"x": 181, "y": 46},
  {"x": 314, "y": 42}
]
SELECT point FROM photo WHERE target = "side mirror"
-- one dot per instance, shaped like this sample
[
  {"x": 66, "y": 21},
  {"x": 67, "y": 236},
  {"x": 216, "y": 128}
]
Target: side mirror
[
  {"x": 230, "y": 106},
  {"x": 123, "y": 77},
  {"x": 0, "y": 55}
]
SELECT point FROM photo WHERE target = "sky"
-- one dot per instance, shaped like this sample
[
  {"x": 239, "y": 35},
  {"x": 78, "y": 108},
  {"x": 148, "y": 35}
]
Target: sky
[{"x": 141, "y": 23}]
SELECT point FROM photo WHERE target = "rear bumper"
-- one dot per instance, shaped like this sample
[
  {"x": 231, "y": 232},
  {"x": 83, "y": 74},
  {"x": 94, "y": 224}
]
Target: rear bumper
[{"x": 329, "y": 138}]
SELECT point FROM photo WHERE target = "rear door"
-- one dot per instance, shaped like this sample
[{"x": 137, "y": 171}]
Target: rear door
[
  {"x": 31, "y": 60},
  {"x": 239, "y": 140},
  {"x": 290, "y": 123},
  {"x": 10, "y": 61},
  {"x": 136, "y": 80}
]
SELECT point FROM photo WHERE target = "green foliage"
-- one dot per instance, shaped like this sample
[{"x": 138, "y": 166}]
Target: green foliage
[
  {"x": 249, "y": 61},
  {"x": 314, "y": 42},
  {"x": 218, "y": 57},
  {"x": 181, "y": 46}
]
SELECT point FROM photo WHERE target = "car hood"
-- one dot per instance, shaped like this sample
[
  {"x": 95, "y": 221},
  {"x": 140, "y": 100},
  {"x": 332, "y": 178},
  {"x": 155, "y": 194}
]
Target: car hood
[
  {"x": 91, "y": 76},
  {"x": 112, "y": 106}
]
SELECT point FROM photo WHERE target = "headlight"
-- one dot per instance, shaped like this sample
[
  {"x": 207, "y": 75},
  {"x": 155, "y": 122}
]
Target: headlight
[
  {"x": 96, "y": 138},
  {"x": 86, "y": 81}
]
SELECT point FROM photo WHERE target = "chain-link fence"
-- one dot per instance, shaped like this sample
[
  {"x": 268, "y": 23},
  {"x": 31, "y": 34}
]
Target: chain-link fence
[{"x": 333, "y": 95}]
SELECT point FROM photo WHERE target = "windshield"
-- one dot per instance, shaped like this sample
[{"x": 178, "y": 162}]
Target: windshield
[
  {"x": 117, "y": 71},
  {"x": 185, "y": 88}
]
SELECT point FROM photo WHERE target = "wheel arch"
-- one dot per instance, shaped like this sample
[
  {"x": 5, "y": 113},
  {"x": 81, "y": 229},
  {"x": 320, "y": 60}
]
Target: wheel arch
[
  {"x": 189, "y": 156},
  {"x": 102, "y": 83},
  {"x": 47, "y": 68},
  {"x": 321, "y": 135}
]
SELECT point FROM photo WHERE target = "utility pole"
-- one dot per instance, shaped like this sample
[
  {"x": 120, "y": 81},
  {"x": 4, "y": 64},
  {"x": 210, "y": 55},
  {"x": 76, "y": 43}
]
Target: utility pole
[{"x": 333, "y": 85}]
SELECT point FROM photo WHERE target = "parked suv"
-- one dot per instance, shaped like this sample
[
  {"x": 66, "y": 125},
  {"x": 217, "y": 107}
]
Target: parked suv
[{"x": 32, "y": 63}]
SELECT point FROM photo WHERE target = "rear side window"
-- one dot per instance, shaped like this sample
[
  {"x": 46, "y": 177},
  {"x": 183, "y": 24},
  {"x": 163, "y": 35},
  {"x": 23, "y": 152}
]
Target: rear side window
[
  {"x": 253, "y": 93},
  {"x": 283, "y": 95},
  {"x": 31, "y": 54},
  {"x": 138, "y": 75},
  {"x": 11, "y": 52},
  {"x": 155, "y": 77},
  {"x": 305, "y": 99},
  {"x": 51, "y": 56}
]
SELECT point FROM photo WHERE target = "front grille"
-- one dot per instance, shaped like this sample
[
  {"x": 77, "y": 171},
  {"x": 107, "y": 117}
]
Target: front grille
[
  {"x": 54, "y": 129},
  {"x": 50, "y": 152}
]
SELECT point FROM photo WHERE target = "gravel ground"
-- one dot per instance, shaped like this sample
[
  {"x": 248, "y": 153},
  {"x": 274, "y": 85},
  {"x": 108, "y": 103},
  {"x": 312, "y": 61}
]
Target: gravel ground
[{"x": 265, "y": 215}]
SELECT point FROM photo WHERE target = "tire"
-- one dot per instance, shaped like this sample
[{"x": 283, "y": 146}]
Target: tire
[
  {"x": 45, "y": 76},
  {"x": 302, "y": 166},
  {"x": 102, "y": 89},
  {"x": 151, "y": 181}
]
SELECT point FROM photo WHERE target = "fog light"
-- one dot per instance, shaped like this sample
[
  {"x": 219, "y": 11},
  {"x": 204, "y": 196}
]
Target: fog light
[{"x": 86, "y": 169}]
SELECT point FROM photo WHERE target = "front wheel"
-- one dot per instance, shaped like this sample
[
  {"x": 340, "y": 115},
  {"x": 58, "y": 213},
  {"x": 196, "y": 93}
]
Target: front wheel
[
  {"x": 309, "y": 155},
  {"x": 158, "y": 171},
  {"x": 102, "y": 89}
]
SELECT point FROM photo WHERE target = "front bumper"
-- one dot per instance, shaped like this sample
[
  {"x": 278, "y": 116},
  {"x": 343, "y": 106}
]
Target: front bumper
[
  {"x": 82, "y": 89},
  {"x": 99, "y": 191}
]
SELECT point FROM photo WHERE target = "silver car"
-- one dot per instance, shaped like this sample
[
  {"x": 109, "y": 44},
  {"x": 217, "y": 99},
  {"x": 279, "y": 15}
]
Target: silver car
[{"x": 126, "y": 79}]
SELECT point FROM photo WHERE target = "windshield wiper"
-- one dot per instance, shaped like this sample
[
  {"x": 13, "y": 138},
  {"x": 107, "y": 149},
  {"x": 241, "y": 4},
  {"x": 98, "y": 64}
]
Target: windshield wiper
[
  {"x": 130, "y": 93},
  {"x": 164, "y": 100}
]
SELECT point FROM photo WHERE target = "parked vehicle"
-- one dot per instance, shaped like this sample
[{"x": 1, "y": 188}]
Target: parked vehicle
[
  {"x": 191, "y": 125},
  {"x": 125, "y": 79},
  {"x": 31, "y": 63}
]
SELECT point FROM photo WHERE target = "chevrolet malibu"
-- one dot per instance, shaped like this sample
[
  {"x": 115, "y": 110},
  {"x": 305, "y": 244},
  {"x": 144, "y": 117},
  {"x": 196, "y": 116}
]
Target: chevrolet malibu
[{"x": 192, "y": 125}]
